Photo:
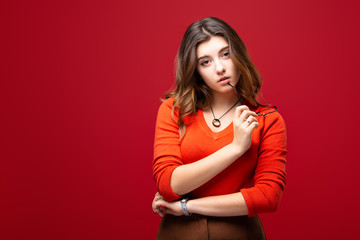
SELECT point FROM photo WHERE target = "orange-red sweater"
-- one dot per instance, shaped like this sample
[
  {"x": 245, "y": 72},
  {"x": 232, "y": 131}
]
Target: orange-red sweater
[{"x": 259, "y": 174}]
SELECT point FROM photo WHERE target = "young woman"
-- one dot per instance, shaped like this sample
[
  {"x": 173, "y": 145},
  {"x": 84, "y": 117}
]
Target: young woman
[{"x": 219, "y": 154}]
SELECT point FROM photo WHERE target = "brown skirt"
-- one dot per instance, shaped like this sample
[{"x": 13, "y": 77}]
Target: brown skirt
[{"x": 198, "y": 227}]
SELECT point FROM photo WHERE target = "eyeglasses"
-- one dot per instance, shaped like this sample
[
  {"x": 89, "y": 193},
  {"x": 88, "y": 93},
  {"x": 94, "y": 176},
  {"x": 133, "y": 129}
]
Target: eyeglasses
[
  {"x": 274, "y": 109},
  {"x": 263, "y": 114}
]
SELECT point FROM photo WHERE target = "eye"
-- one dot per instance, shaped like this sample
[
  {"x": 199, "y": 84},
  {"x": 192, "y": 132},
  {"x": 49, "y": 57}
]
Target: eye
[
  {"x": 205, "y": 62},
  {"x": 226, "y": 54}
]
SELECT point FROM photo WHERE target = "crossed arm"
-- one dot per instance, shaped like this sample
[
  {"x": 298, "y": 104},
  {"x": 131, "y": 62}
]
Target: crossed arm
[{"x": 220, "y": 206}]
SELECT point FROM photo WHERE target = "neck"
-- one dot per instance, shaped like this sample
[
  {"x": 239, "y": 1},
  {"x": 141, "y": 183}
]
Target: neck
[{"x": 224, "y": 100}]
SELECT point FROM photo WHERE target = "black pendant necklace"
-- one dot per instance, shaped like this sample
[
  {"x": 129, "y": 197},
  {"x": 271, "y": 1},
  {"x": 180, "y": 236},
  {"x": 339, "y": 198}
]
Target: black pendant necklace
[{"x": 216, "y": 122}]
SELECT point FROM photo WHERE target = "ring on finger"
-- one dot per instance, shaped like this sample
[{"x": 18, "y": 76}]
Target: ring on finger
[{"x": 247, "y": 120}]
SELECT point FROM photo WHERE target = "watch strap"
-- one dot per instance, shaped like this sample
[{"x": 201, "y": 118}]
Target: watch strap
[{"x": 183, "y": 206}]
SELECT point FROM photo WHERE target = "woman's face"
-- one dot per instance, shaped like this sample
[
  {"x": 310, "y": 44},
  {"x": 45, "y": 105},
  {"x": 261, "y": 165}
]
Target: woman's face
[{"x": 215, "y": 66}]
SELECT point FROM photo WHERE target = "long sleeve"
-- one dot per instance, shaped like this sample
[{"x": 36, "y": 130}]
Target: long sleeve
[
  {"x": 259, "y": 174},
  {"x": 167, "y": 155},
  {"x": 270, "y": 176}
]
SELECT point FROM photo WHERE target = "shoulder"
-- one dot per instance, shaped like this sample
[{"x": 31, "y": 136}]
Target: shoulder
[
  {"x": 165, "y": 112},
  {"x": 166, "y": 106},
  {"x": 167, "y": 103},
  {"x": 270, "y": 117}
]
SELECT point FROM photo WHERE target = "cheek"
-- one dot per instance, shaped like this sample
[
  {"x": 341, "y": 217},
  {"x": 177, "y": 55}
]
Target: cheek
[{"x": 202, "y": 73}]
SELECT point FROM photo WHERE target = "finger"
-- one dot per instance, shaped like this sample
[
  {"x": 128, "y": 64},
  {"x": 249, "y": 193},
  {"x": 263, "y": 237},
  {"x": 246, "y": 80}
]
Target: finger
[
  {"x": 239, "y": 110},
  {"x": 158, "y": 210},
  {"x": 153, "y": 205},
  {"x": 160, "y": 203},
  {"x": 161, "y": 214},
  {"x": 155, "y": 211},
  {"x": 162, "y": 211},
  {"x": 253, "y": 125},
  {"x": 154, "y": 208},
  {"x": 158, "y": 195},
  {"x": 161, "y": 206},
  {"x": 245, "y": 114},
  {"x": 249, "y": 120},
  {"x": 157, "y": 198}
]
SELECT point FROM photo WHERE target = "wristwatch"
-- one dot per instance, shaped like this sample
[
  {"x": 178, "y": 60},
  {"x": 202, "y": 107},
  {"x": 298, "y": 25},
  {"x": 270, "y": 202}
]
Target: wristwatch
[{"x": 183, "y": 206}]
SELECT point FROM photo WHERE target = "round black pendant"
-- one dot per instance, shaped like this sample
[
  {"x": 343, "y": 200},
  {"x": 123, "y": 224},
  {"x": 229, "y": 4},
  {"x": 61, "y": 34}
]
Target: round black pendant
[{"x": 216, "y": 122}]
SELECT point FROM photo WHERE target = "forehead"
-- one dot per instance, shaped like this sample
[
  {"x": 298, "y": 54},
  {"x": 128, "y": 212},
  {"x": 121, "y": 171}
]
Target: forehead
[{"x": 211, "y": 47}]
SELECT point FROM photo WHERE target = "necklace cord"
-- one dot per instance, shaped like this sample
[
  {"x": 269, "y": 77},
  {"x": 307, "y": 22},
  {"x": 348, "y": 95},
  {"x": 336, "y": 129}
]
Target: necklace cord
[
  {"x": 216, "y": 121},
  {"x": 226, "y": 111}
]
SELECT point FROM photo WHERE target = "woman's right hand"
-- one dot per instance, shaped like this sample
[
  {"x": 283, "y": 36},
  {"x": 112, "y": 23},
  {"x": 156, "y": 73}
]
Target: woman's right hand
[
  {"x": 156, "y": 209},
  {"x": 162, "y": 207},
  {"x": 244, "y": 124}
]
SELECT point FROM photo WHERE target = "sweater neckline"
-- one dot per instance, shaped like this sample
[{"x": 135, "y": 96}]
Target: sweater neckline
[{"x": 205, "y": 127}]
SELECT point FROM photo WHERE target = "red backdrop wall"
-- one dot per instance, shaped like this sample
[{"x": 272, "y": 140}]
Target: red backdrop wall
[{"x": 80, "y": 88}]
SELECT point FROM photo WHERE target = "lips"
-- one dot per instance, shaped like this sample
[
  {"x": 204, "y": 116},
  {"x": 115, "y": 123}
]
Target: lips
[{"x": 223, "y": 79}]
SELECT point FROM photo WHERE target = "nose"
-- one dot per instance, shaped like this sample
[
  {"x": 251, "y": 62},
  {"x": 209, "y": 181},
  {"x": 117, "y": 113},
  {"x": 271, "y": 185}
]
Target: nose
[{"x": 220, "y": 68}]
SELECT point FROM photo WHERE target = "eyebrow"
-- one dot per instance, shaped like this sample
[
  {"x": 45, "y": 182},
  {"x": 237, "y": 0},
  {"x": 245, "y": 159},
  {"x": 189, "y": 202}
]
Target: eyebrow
[{"x": 208, "y": 56}]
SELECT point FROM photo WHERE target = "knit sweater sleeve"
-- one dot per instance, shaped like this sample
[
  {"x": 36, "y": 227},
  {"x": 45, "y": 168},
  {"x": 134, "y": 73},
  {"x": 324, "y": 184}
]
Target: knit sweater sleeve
[
  {"x": 167, "y": 155},
  {"x": 270, "y": 175}
]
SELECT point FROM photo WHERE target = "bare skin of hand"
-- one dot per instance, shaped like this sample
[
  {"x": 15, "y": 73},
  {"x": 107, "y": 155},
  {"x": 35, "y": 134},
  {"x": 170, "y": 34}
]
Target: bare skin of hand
[
  {"x": 162, "y": 207},
  {"x": 244, "y": 124},
  {"x": 157, "y": 210}
]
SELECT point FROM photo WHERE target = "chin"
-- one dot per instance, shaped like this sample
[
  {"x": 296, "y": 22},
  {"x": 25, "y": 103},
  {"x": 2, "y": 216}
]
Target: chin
[{"x": 224, "y": 90}]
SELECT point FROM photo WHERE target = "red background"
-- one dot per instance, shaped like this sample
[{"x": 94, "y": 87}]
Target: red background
[{"x": 80, "y": 88}]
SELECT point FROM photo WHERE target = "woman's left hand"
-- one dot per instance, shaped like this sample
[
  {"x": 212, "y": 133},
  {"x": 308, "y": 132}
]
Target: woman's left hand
[{"x": 162, "y": 207}]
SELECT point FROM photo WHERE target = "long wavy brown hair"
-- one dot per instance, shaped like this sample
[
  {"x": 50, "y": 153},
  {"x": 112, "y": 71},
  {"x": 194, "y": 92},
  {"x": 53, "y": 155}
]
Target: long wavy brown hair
[{"x": 191, "y": 92}]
